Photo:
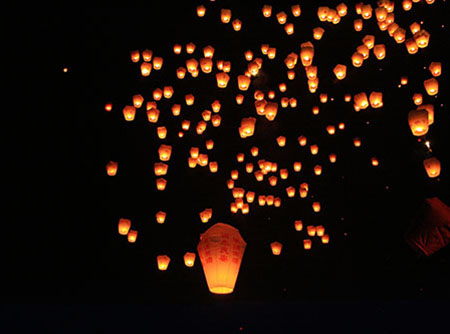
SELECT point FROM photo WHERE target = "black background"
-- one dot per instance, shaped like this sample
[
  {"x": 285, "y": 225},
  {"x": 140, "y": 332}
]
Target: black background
[{"x": 63, "y": 209}]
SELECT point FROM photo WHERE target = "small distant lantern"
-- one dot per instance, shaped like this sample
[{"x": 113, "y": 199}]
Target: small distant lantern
[
  {"x": 307, "y": 244},
  {"x": 374, "y": 161},
  {"x": 318, "y": 33},
  {"x": 132, "y": 236},
  {"x": 431, "y": 86},
  {"x": 340, "y": 71},
  {"x": 314, "y": 149},
  {"x": 435, "y": 69},
  {"x": 418, "y": 122},
  {"x": 160, "y": 217},
  {"x": 213, "y": 167},
  {"x": 124, "y": 226},
  {"x": 267, "y": 10},
  {"x": 225, "y": 15},
  {"x": 332, "y": 157},
  {"x": 161, "y": 184},
  {"x": 111, "y": 168},
  {"x": 325, "y": 239},
  {"x": 358, "y": 24},
  {"x": 237, "y": 24},
  {"x": 276, "y": 247},
  {"x": 161, "y": 132},
  {"x": 157, "y": 63},
  {"x": 146, "y": 69},
  {"x": 316, "y": 206},
  {"x": 160, "y": 168},
  {"x": 135, "y": 56},
  {"x": 189, "y": 259},
  {"x": 201, "y": 11},
  {"x": 432, "y": 167},
  {"x": 165, "y": 152},
  {"x": 163, "y": 262}
]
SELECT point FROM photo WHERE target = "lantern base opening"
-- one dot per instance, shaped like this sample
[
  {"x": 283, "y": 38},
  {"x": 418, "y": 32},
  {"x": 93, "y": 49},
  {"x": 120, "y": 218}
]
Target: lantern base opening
[{"x": 221, "y": 290}]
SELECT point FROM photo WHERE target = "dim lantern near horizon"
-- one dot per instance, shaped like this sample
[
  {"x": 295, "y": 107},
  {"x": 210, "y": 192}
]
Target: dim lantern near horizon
[{"x": 221, "y": 249}]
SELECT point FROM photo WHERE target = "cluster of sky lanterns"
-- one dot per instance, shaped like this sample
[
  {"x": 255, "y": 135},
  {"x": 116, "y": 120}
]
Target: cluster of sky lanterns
[{"x": 221, "y": 247}]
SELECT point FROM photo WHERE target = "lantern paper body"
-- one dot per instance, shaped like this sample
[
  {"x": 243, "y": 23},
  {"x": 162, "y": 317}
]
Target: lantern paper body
[
  {"x": 418, "y": 122},
  {"x": 163, "y": 262},
  {"x": 111, "y": 168},
  {"x": 124, "y": 226},
  {"x": 189, "y": 259},
  {"x": 432, "y": 166},
  {"x": 221, "y": 249},
  {"x": 276, "y": 248}
]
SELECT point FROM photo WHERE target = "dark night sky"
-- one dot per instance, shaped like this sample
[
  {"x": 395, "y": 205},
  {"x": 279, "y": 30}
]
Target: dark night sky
[{"x": 63, "y": 209}]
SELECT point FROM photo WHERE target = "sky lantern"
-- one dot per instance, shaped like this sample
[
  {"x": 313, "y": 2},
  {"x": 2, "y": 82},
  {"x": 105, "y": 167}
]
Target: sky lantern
[
  {"x": 201, "y": 11},
  {"x": 432, "y": 167},
  {"x": 271, "y": 109},
  {"x": 379, "y": 51},
  {"x": 146, "y": 69},
  {"x": 243, "y": 82},
  {"x": 250, "y": 196},
  {"x": 325, "y": 239},
  {"x": 316, "y": 206},
  {"x": 239, "y": 98},
  {"x": 340, "y": 71},
  {"x": 208, "y": 51},
  {"x": 414, "y": 27},
  {"x": 177, "y": 49},
  {"x": 364, "y": 50},
  {"x": 435, "y": 69},
  {"x": 357, "y": 142},
  {"x": 160, "y": 217},
  {"x": 157, "y": 94},
  {"x": 276, "y": 247},
  {"x": 317, "y": 169},
  {"x": 418, "y": 122},
  {"x": 357, "y": 59},
  {"x": 216, "y": 120},
  {"x": 181, "y": 72},
  {"x": 322, "y": 13},
  {"x": 160, "y": 168},
  {"x": 302, "y": 140},
  {"x": 323, "y": 97},
  {"x": 157, "y": 63},
  {"x": 225, "y": 15},
  {"x": 267, "y": 10},
  {"x": 221, "y": 249},
  {"x": 271, "y": 53},
  {"x": 189, "y": 259},
  {"x": 247, "y": 127},
  {"x": 206, "y": 115},
  {"x": 306, "y": 53},
  {"x": 318, "y": 33},
  {"x": 161, "y": 184},
  {"x": 281, "y": 17},
  {"x": 376, "y": 99},
  {"x": 162, "y": 262},
  {"x": 191, "y": 64},
  {"x": 417, "y": 99},
  {"x": 206, "y": 64},
  {"x": 366, "y": 12},
  {"x": 165, "y": 152},
  {"x": 332, "y": 157},
  {"x": 203, "y": 160},
  {"x": 298, "y": 225},
  {"x": 296, "y": 10},
  {"x": 341, "y": 9},
  {"x": 307, "y": 244},
  {"x": 407, "y": 5},
  {"x": 192, "y": 162},
  {"x": 213, "y": 166},
  {"x": 147, "y": 55},
  {"x": 291, "y": 60},
  {"x": 380, "y": 13},
  {"x": 132, "y": 236},
  {"x": 311, "y": 230},
  {"x": 237, "y": 24},
  {"x": 129, "y": 112},
  {"x": 399, "y": 35},
  {"x": 124, "y": 226},
  {"x": 111, "y": 168},
  {"x": 108, "y": 107},
  {"x": 209, "y": 144},
  {"x": 313, "y": 84},
  {"x": 411, "y": 46},
  {"x": 186, "y": 124},
  {"x": 168, "y": 92},
  {"x": 281, "y": 140},
  {"x": 206, "y": 215},
  {"x": 314, "y": 149},
  {"x": 161, "y": 132},
  {"x": 290, "y": 191},
  {"x": 222, "y": 79},
  {"x": 431, "y": 86},
  {"x": 331, "y": 129},
  {"x": 190, "y": 48},
  {"x": 289, "y": 28},
  {"x": 358, "y": 24},
  {"x": 375, "y": 162},
  {"x": 248, "y": 55},
  {"x": 311, "y": 72},
  {"x": 404, "y": 81},
  {"x": 135, "y": 56},
  {"x": 422, "y": 38},
  {"x": 430, "y": 109},
  {"x": 261, "y": 200},
  {"x": 254, "y": 151},
  {"x": 361, "y": 100}
]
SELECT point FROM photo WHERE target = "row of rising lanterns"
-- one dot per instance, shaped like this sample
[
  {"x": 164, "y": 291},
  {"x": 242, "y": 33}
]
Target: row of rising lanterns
[{"x": 221, "y": 247}]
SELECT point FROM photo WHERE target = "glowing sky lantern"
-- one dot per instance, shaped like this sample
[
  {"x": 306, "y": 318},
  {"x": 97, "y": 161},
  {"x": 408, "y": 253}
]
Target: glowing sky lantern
[
  {"x": 111, "y": 168},
  {"x": 247, "y": 128},
  {"x": 276, "y": 247},
  {"x": 432, "y": 167},
  {"x": 225, "y": 15},
  {"x": 221, "y": 249},
  {"x": 189, "y": 259},
  {"x": 340, "y": 71},
  {"x": 132, "y": 236},
  {"x": 201, "y": 11},
  {"x": 129, "y": 112},
  {"x": 431, "y": 86},
  {"x": 124, "y": 226},
  {"x": 162, "y": 262},
  {"x": 135, "y": 56},
  {"x": 418, "y": 122}
]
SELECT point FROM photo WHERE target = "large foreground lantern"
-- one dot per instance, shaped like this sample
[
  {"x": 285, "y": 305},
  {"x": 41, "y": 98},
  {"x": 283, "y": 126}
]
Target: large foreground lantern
[{"x": 221, "y": 249}]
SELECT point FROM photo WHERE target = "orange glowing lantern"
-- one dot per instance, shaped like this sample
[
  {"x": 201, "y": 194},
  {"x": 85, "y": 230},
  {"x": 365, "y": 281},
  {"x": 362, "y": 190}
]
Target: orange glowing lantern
[
  {"x": 289, "y": 28},
  {"x": 221, "y": 249},
  {"x": 201, "y": 11},
  {"x": 404, "y": 81},
  {"x": 267, "y": 10},
  {"x": 157, "y": 94},
  {"x": 281, "y": 17},
  {"x": 177, "y": 49},
  {"x": 414, "y": 27},
  {"x": 374, "y": 161},
  {"x": 307, "y": 244},
  {"x": 302, "y": 140},
  {"x": 160, "y": 168},
  {"x": 407, "y": 5},
  {"x": 290, "y": 191},
  {"x": 237, "y": 24},
  {"x": 306, "y": 53},
  {"x": 422, "y": 38},
  {"x": 361, "y": 100},
  {"x": 369, "y": 41},
  {"x": 380, "y": 13},
  {"x": 340, "y": 71},
  {"x": 418, "y": 99},
  {"x": 364, "y": 50},
  {"x": 317, "y": 169},
  {"x": 108, "y": 107},
  {"x": 331, "y": 129},
  {"x": 124, "y": 226},
  {"x": 379, "y": 51},
  {"x": 366, "y": 12},
  {"x": 318, "y": 33},
  {"x": 157, "y": 63},
  {"x": 332, "y": 157},
  {"x": 357, "y": 142},
  {"x": 432, "y": 167},
  {"x": 418, "y": 122},
  {"x": 189, "y": 259},
  {"x": 399, "y": 35},
  {"x": 358, "y": 24},
  {"x": 276, "y": 248},
  {"x": 135, "y": 56},
  {"x": 146, "y": 69},
  {"x": 311, "y": 230},
  {"x": 254, "y": 151},
  {"x": 316, "y": 206},
  {"x": 181, "y": 73},
  {"x": 161, "y": 132},
  {"x": 325, "y": 239},
  {"x": 296, "y": 10},
  {"x": 163, "y": 262},
  {"x": 165, "y": 152},
  {"x": 322, "y": 13},
  {"x": 357, "y": 59},
  {"x": 376, "y": 99},
  {"x": 243, "y": 82},
  {"x": 431, "y": 86},
  {"x": 250, "y": 196},
  {"x": 161, "y": 184},
  {"x": 160, "y": 217},
  {"x": 298, "y": 225},
  {"x": 435, "y": 69},
  {"x": 230, "y": 184},
  {"x": 311, "y": 72},
  {"x": 314, "y": 149},
  {"x": 132, "y": 236},
  {"x": 281, "y": 140},
  {"x": 111, "y": 168},
  {"x": 222, "y": 79},
  {"x": 225, "y": 15},
  {"x": 186, "y": 124},
  {"x": 206, "y": 215},
  {"x": 411, "y": 46},
  {"x": 129, "y": 112},
  {"x": 213, "y": 166}
]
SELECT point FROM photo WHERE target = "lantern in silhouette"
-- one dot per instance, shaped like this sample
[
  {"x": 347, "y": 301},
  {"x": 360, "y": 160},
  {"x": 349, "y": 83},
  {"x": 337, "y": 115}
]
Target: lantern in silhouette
[
  {"x": 431, "y": 86},
  {"x": 129, "y": 112},
  {"x": 135, "y": 56},
  {"x": 432, "y": 167},
  {"x": 340, "y": 71},
  {"x": 221, "y": 249},
  {"x": 225, "y": 15},
  {"x": 111, "y": 168},
  {"x": 124, "y": 226},
  {"x": 132, "y": 236},
  {"x": 276, "y": 247},
  {"x": 435, "y": 68},
  {"x": 418, "y": 122},
  {"x": 163, "y": 262},
  {"x": 160, "y": 217}
]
